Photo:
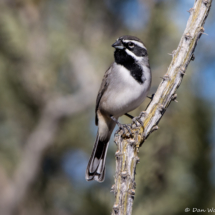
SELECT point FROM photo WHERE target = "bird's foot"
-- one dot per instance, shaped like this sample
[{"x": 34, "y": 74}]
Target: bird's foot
[
  {"x": 137, "y": 120},
  {"x": 125, "y": 127},
  {"x": 121, "y": 126}
]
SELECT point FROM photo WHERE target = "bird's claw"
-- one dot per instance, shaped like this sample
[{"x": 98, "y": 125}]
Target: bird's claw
[
  {"x": 137, "y": 120},
  {"x": 125, "y": 127}
]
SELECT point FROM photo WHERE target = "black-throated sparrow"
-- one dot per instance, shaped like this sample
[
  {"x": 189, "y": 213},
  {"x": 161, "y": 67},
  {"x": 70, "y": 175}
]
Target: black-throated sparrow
[{"x": 124, "y": 87}]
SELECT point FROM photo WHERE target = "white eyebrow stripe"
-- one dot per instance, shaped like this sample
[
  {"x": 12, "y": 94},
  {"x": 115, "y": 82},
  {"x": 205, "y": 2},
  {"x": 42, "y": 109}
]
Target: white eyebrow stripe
[
  {"x": 137, "y": 58},
  {"x": 135, "y": 42}
]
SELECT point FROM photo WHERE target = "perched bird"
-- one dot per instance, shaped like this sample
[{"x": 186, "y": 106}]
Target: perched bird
[{"x": 124, "y": 87}]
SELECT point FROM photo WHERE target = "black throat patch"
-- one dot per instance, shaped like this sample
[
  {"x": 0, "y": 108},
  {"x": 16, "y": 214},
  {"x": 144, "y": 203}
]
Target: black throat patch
[{"x": 122, "y": 58}]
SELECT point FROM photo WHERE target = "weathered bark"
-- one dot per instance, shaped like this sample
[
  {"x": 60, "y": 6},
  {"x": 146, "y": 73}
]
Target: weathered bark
[{"x": 128, "y": 146}]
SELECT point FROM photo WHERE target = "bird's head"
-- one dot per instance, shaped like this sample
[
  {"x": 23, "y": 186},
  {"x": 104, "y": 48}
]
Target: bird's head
[{"x": 129, "y": 49}]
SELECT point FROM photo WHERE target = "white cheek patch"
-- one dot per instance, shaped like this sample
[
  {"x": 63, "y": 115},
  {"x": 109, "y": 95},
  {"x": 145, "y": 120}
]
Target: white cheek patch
[
  {"x": 135, "y": 42},
  {"x": 138, "y": 59}
]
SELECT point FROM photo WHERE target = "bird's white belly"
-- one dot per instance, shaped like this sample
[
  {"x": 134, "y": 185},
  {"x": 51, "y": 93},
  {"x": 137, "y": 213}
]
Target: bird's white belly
[
  {"x": 124, "y": 93},
  {"x": 127, "y": 99}
]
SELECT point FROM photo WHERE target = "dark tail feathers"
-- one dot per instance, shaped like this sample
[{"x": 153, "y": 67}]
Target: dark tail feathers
[{"x": 96, "y": 166}]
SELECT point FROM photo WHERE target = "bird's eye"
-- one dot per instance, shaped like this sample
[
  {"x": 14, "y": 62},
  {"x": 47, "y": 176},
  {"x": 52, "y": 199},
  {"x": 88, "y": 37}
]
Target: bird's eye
[{"x": 131, "y": 45}]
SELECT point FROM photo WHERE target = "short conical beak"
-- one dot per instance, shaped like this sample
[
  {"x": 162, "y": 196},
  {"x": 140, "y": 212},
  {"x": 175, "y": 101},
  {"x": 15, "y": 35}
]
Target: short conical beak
[{"x": 118, "y": 45}]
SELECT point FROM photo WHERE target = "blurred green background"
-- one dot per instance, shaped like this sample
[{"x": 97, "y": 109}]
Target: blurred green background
[{"x": 53, "y": 54}]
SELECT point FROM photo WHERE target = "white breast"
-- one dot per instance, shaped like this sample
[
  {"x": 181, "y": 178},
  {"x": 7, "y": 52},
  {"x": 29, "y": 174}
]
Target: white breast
[{"x": 124, "y": 93}]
